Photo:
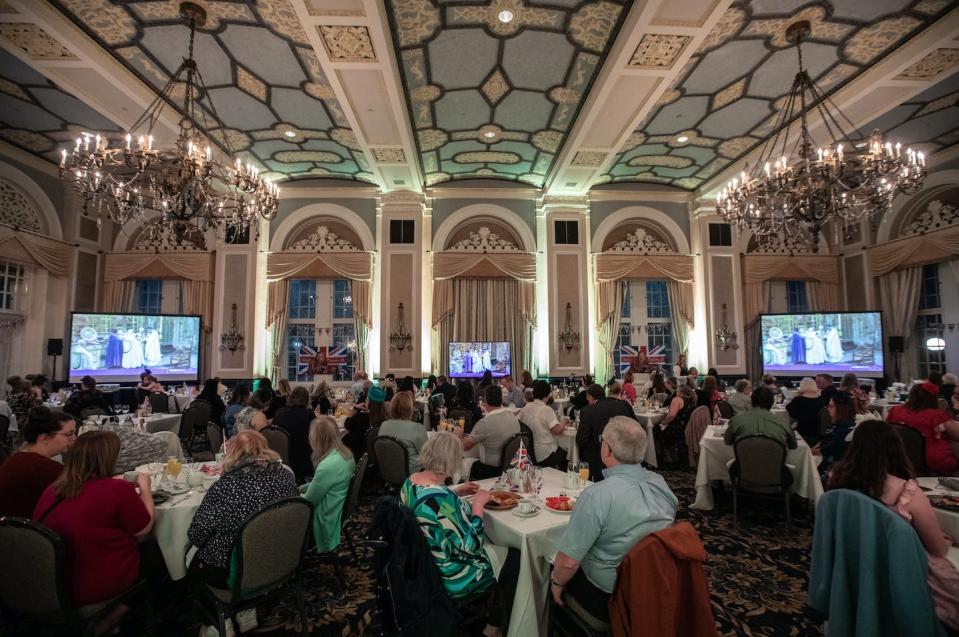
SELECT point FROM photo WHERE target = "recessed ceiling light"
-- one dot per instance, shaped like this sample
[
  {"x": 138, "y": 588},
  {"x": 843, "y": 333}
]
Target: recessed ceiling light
[
  {"x": 489, "y": 134},
  {"x": 682, "y": 139},
  {"x": 290, "y": 133},
  {"x": 505, "y": 15}
]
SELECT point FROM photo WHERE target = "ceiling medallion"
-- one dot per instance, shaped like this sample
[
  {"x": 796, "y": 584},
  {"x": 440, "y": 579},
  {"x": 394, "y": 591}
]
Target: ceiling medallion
[
  {"x": 187, "y": 186},
  {"x": 849, "y": 178}
]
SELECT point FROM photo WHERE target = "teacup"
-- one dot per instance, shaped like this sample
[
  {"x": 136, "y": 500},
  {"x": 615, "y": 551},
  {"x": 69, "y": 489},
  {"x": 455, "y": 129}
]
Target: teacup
[
  {"x": 195, "y": 479},
  {"x": 525, "y": 506},
  {"x": 131, "y": 476}
]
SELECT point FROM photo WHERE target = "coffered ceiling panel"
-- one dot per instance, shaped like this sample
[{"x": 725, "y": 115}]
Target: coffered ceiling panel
[
  {"x": 725, "y": 99},
  {"x": 38, "y": 116},
  {"x": 927, "y": 122},
  {"x": 263, "y": 76},
  {"x": 496, "y": 98}
]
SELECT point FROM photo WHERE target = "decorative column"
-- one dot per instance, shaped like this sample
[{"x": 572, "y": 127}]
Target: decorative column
[{"x": 234, "y": 285}]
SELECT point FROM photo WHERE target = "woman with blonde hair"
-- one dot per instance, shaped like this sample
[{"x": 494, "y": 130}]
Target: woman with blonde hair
[
  {"x": 330, "y": 485},
  {"x": 98, "y": 518},
  {"x": 401, "y": 426},
  {"x": 253, "y": 477},
  {"x": 320, "y": 398}
]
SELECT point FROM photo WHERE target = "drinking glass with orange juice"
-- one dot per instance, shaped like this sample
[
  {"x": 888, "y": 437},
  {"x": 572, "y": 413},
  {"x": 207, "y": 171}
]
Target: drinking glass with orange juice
[
  {"x": 173, "y": 467},
  {"x": 584, "y": 471}
]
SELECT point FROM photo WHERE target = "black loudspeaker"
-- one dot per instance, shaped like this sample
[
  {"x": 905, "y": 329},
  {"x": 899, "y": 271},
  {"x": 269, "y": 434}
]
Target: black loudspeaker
[
  {"x": 897, "y": 344},
  {"x": 55, "y": 347}
]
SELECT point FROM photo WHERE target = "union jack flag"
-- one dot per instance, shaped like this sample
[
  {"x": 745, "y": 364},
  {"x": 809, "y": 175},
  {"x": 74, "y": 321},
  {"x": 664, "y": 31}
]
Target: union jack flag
[
  {"x": 521, "y": 459},
  {"x": 629, "y": 355},
  {"x": 321, "y": 360}
]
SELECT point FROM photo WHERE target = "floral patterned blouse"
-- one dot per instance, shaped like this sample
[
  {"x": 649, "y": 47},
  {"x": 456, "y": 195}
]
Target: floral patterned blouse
[{"x": 455, "y": 538}]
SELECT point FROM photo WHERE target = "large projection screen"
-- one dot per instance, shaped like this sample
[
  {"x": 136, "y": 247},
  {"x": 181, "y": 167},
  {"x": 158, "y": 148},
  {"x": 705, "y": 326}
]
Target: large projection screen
[{"x": 807, "y": 344}]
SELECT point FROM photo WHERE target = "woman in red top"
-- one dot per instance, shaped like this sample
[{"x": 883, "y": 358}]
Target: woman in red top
[
  {"x": 921, "y": 412},
  {"x": 98, "y": 518},
  {"x": 28, "y": 472}
]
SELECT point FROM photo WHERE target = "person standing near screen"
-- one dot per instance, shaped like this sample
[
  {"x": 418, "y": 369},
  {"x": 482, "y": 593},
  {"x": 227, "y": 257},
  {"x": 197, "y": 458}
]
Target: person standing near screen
[{"x": 114, "y": 358}]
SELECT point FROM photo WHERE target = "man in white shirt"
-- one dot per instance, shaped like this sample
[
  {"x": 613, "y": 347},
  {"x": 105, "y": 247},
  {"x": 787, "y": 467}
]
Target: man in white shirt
[
  {"x": 512, "y": 395},
  {"x": 491, "y": 434},
  {"x": 542, "y": 421}
]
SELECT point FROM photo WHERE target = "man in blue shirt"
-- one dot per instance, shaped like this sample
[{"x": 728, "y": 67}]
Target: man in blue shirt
[{"x": 602, "y": 530}]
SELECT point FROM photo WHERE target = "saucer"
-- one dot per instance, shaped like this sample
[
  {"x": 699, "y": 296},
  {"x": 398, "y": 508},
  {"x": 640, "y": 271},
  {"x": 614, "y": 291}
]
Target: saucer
[
  {"x": 518, "y": 514},
  {"x": 176, "y": 489}
]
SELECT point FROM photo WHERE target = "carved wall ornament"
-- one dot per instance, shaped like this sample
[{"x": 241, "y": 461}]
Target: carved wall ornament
[
  {"x": 484, "y": 240},
  {"x": 389, "y": 155},
  {"x": 658, "y": 50},
  {"x": 16, "y": 209},
  {"x": 591, "y": 158},
  {"x": 322, "y": 240},
  {"x": 936, "y": 215},
  {"x": 781, "y": 244},
  {"x": 157, "y": 238},
  {"x": 348, "y": 43},
  {"x": 643, "y": 242}
]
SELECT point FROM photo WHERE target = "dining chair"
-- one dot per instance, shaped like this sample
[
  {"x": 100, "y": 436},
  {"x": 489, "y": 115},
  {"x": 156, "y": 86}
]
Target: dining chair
[
  {"x": 278, "y": 439},
  {"x": 760, "y": 471},
  {"x": 699, "y": 421},
  {"x": 393, "y": 459},
  {"x": 915, "y": 446},
  {"x": 159, "y": 403}
]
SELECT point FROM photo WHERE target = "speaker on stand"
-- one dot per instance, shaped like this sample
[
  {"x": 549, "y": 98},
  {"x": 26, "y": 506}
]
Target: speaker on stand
[
  {"x": 54, "y": 349},
  {"x": 897, "y": 345}
]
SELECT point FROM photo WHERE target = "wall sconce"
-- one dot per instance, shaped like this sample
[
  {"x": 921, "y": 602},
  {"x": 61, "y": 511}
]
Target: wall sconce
[
  {"x": 400, "y": 338},
  {"x": 726, "y": 337},
  {"x": 568, "y": 337},
  {"x": 232, "y": 339}
]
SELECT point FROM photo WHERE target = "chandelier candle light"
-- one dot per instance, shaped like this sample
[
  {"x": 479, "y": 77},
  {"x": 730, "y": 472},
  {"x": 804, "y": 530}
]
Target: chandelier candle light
[
  {"x": 840, "y": 182},
  {"x": 186, "y": 188}
]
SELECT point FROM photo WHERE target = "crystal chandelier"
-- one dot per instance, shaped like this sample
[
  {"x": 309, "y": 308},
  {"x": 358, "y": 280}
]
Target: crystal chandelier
[
  {"x": 840, "y": 183},
  {"x": 185, "y": 188}
]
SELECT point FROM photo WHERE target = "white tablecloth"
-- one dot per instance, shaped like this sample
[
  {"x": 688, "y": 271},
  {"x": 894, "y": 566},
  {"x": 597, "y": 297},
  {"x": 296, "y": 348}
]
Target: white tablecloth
[
  {"x": 172, "y": 521},
  {"x": 883, "y": 406},
  {"x": 163, "y": 422},
  {"x": 179, "y": 402},
  {"x": 948, "y": 520},
  {"x": 783, "y": 415},
  {"x": 537, "y": 538},
  {"x": 561, "y": 405},
  {"x": 715, "y": 453},
  {"x": 650, "y": 419}
]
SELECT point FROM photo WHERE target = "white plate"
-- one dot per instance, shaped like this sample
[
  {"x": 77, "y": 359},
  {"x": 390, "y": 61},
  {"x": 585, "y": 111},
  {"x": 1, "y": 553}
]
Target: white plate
[{"x": 572, "y": 501}]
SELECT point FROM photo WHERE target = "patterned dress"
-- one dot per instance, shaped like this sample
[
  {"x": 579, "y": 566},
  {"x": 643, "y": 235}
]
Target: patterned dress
[
  {"x": 674, "y": 435},
  {"x": 455, "y": 538}
]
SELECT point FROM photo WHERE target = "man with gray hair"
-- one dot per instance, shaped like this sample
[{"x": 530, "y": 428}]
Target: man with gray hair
[{"x": 602, "y": 529}]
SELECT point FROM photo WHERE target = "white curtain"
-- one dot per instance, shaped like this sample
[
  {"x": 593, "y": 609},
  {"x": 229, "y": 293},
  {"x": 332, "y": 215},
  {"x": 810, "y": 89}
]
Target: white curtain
[
  {"x": 610, "y": 307},
  {"x": 899, "y": 295},
  {"x": 954, "y": 266}
]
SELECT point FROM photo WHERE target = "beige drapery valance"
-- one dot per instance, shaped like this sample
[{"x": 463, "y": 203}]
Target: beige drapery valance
[
  {"x": 821, "y": 270},
  {"x": 356, "y": 266},
  {"x": 515, "y": 265},
  {"x": 27, "y": 247},
  {"x": 609, "y": 268},
  {"x": 194, "y": 266},
  {"x": 917, "y": 250}
]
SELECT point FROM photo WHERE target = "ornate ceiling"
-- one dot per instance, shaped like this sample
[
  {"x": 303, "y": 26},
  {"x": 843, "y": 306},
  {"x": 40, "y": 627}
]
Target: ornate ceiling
[{"x": 407, "y": 94}]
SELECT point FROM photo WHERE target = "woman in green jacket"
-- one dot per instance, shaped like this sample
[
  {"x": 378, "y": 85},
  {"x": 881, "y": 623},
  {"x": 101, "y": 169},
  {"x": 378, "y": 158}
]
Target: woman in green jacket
[{"x": 331, "y": 482}]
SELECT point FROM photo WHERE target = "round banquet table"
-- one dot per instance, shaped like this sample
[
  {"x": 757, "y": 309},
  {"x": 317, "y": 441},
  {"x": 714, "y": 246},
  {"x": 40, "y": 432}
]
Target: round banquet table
[
  {"x": 948, "y": 520},
  {"x": 173, "y": 518},
  {"x": 649, "y": 419},
  {"x": 179, "y": 402}
]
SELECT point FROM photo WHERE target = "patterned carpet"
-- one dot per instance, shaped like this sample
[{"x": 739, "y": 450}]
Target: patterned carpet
[{"x": 757, "y": 576}]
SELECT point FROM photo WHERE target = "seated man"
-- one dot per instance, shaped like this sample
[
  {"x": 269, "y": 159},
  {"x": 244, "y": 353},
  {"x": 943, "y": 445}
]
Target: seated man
[
  {"x": 601, "y": 531},
  {"x": 592, "y": 421},
  {"x": 740, "y": 400},
  {"x": 88, "y": 396},
  {"x": 759, "y": 421},
  {"x": 512, "y": 395},
  {"x": 542, "y": 421},
  {"x": 491, "y": 434}
]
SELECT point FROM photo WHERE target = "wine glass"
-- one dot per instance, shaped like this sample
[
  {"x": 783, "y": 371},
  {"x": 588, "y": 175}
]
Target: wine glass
[{"x": 537, "y": 482}]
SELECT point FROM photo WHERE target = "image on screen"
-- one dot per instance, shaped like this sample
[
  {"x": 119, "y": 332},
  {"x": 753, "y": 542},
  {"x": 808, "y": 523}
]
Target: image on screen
[
  {"x": 470, "y": 360},
  {"x": 831, "y": 342},
  {"x": 115, "y": 348}
]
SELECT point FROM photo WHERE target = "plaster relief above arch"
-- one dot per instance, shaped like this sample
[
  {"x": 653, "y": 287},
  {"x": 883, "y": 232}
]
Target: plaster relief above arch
[
  {"x": 670, "y": 229},
  {"x": 48, "y": 217},
  {"x": 280, "y": 235},
  {"x": 905, "y": 207},
  {"x": 470, "y": 213}
]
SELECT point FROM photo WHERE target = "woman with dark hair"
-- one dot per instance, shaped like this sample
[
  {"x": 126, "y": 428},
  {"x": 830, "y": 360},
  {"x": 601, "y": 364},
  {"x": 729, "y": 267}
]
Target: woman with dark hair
[
  {"x": 850, "y": 385},
  {"x": 671, "y": 433},
  {"x": 876, "y": 465},
  {"x": 921, "y": 412},
  {"x": 466, "y": 399},
  {"x": 708, "y": 394},
  {"x": 431, "y": 383},
  {"x": 526, "y": 380},
  {"x": 211, "y": 395},
  {"x": 22, "y": 400},
  {"x": 658, "y": 385},
  {"x": 485, "y": 381},
  {"x": 241, "y": 394},
  {"x": 842, "y": 413},
  {"x": 31, "y": 469},
  {"x": 295, "y": 419},
  {"x": 99, "y": 519},
  {"x": 366, "y": 415},
  {"x": 720, "y": 385}
]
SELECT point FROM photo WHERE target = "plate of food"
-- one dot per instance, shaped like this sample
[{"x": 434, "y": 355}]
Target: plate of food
[
  {"x": 561, "y": 504},
  {"x": 947, "y": 502},
  {"x": 502, "y": 500}
]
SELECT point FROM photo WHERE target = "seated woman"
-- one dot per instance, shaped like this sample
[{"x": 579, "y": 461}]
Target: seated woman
[
  {"x": 876, "y": 465},
  {"x": 670, "y": 435},
  {"x": 850, "y": 385},
  {"x": 400, "y": 426},
  {"x": 241, "y": 393},
  {"x": 708, "y": 394},
  {"x": 330, "y": 485},
  {"x": 454, "y": 530},
  {"x": 842, "y": 413},
  {"x": 150, "y": 384},
  {"x": 99, "y": 519},
  {"x": 320, "y": 398},
  {"x": 26, "y": 474},
  {"x": 616, "y": 391},
  {"x": 740, "y": 400},
  {"x": 252, "y": 416},
  {"x": 804, "y": 408},
  {"x": 211, "y": 395},
  {"x": 629, "y": 391},
  {"x": 466, "y": 399},
  {"x": 253, "y": 477},
  {"x": 295, "y": 418},
  {"x": 366, "y": 415},
  {"x": 658, "y": 385},
  {"x": 720, "y": 385},
  {"x": 921, "y": 412}
]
